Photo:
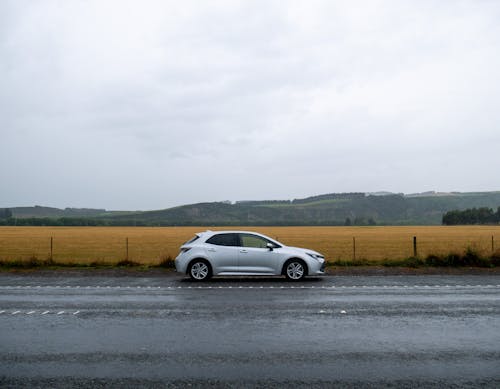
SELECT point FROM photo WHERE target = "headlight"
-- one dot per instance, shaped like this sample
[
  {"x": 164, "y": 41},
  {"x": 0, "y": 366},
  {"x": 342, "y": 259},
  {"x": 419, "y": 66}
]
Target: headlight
[{"x": 316, "y": 256}]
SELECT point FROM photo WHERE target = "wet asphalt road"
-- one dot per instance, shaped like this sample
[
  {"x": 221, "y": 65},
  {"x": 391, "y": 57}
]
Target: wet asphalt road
[{"x": 163, "y": 330}]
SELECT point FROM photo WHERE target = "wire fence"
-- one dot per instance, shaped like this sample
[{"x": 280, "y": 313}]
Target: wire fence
[{"x": 153, "y": 245}]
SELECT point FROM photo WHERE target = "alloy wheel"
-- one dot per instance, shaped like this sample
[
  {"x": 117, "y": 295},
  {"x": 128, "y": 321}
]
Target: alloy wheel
[
  {"x": 295, "y": 270},
  {"x": 199, "y": 271}
]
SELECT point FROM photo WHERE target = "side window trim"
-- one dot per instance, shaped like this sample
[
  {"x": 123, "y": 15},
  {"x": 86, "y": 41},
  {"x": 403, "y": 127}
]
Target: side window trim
[{"x": 239, "y": 241}]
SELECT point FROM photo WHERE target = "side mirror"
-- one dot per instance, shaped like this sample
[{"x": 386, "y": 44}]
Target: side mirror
[{"x": 270, "y": 246}]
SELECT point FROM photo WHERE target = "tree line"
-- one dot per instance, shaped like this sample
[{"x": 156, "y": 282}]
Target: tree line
[
  {"x": 472, "y": 216},
  {"x": 72, "y": 222},
  {"x": 103, "y": 222},
  {"x": 5, "y": 213}
]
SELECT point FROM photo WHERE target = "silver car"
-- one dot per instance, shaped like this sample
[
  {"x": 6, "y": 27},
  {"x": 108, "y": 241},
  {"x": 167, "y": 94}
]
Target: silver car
[{"x": 213, "y": 253}]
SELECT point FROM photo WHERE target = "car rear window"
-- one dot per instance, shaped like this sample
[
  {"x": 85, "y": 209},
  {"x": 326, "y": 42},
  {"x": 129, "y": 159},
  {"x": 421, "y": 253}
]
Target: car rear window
[
  {"x": 192, "y": 239},
  {"x": 224, "y": 240}
]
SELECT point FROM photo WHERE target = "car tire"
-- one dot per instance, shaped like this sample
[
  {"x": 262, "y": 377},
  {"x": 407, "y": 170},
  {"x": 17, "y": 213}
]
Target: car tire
[
  {"x": 295, "y": 270},
  {"x": 200, "y": 270}
]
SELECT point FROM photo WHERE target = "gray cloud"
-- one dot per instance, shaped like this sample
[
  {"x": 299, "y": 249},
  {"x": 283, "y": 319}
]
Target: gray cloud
[{"x": 142, "y": 105}]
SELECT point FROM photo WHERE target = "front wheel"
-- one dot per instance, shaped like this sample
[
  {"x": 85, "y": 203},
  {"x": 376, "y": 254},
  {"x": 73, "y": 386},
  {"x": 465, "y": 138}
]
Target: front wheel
[
  {"x": 199, "y": 270},
  {"x": 295, "y": 270}
]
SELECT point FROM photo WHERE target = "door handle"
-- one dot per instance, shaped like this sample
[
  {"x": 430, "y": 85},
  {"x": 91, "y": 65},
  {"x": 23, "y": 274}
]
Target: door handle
[{"x": 243, "y": 251}]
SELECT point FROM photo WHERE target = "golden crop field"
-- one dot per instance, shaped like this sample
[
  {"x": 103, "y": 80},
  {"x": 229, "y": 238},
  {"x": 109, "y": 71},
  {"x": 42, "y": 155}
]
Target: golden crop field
[{"x": 150, "y": 245}]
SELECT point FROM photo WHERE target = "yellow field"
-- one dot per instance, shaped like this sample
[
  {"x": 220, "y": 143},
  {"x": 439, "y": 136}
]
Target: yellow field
[{"x": 149, "y": 245}]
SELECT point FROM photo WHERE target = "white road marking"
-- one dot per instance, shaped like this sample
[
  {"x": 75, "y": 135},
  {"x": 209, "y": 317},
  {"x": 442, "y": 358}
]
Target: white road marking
[
  {"x": 16, "y": 312},
  {"x": 30, "y": 313},
  {"x": 60, "y": 312},
  {"x": 76, "y": 313},
  {"x": 258, "y": 287},
  {"x": 44, "y": 313},
  {"x": 2, "y": 312}
]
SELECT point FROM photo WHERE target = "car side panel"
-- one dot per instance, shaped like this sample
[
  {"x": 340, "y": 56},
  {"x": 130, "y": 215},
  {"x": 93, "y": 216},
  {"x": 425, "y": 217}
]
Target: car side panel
[
  {"x": 222, "y": 258},
  {"x": 257, "y": 260}
]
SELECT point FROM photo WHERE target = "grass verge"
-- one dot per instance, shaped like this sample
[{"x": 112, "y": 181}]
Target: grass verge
[
  {"x": 469, "y": 258},
  {"x": 34, "y": 263}
]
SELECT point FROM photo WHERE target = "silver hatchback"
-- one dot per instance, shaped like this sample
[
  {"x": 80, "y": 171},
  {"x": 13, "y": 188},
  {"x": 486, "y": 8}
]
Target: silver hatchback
[{"x": 227, "y": 253}]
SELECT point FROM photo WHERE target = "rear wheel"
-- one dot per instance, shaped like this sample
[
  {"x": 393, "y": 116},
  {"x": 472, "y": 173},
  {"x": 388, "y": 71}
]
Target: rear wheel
[
  {"x": 295, "y": 270},
  {"x": 199, "y": 270}
]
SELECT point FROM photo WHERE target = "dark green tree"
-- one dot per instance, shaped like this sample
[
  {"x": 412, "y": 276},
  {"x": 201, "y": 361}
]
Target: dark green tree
[
  {"x": 5, "y": 213},
  {"x": 472, "y": 216}
]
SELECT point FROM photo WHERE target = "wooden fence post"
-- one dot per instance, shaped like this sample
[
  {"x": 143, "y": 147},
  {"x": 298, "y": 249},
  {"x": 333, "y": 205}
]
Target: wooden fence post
[
  {"x": 353, "y": 248},
  {"x": 51, "y": 248},
  {"x": 126, "y": 245},
  {"x": 492, "y": 245},
  {"x": 415, "y": 246}
]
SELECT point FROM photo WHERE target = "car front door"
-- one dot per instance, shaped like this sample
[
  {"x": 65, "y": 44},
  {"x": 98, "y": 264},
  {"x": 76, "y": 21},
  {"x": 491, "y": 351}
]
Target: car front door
[{"x": 255, "y": 257}]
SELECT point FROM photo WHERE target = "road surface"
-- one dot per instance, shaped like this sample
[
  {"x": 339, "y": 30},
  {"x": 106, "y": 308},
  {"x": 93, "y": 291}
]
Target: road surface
[{"x": 159, "y": 330}]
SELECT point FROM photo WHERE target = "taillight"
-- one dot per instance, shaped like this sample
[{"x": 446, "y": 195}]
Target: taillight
[{"x": 185, "y": 249}]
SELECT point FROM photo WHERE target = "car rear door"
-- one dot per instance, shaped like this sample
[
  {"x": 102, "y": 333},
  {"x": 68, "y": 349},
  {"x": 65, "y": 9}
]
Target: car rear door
[{"x": 222, "y": 249}]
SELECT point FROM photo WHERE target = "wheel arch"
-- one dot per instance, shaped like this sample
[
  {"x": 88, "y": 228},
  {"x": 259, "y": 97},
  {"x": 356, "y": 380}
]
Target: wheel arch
[
  {"x": 203, "y": 259},
  {"x": 285, "y": 264}
]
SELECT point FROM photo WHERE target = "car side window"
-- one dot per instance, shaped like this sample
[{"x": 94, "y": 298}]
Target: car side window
[
  {"x": 224, "y": 240},
  {"x": 248, "y": 240}
]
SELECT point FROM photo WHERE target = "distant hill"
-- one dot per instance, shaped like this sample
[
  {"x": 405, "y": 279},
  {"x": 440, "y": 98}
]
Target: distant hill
[
  {"x": 381, "y": 208},
  {"x": 328, "y": 209},
  {"x": 39, "y": 211}
]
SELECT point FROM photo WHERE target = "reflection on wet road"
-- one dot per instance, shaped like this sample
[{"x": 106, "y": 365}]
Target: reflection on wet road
[{"x": 148, "y": 331}]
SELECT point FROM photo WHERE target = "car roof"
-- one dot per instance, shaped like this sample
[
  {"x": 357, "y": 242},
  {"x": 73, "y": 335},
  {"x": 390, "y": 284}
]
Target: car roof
[
  {"x": 210, "y": 232},
  {"x": 207, "y": 234}
]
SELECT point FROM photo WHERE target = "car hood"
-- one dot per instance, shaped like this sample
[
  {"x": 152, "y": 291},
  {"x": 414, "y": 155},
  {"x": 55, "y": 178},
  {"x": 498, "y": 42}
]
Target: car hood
[{"x": 303, "y": 251}]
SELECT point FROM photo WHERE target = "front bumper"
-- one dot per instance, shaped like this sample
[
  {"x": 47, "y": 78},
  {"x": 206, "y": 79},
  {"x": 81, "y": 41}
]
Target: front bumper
[{"x": 317, "y": 268}]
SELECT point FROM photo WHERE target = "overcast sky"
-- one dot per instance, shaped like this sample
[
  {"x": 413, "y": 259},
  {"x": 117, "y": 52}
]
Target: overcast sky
[{"x": 151, "y": 104}]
